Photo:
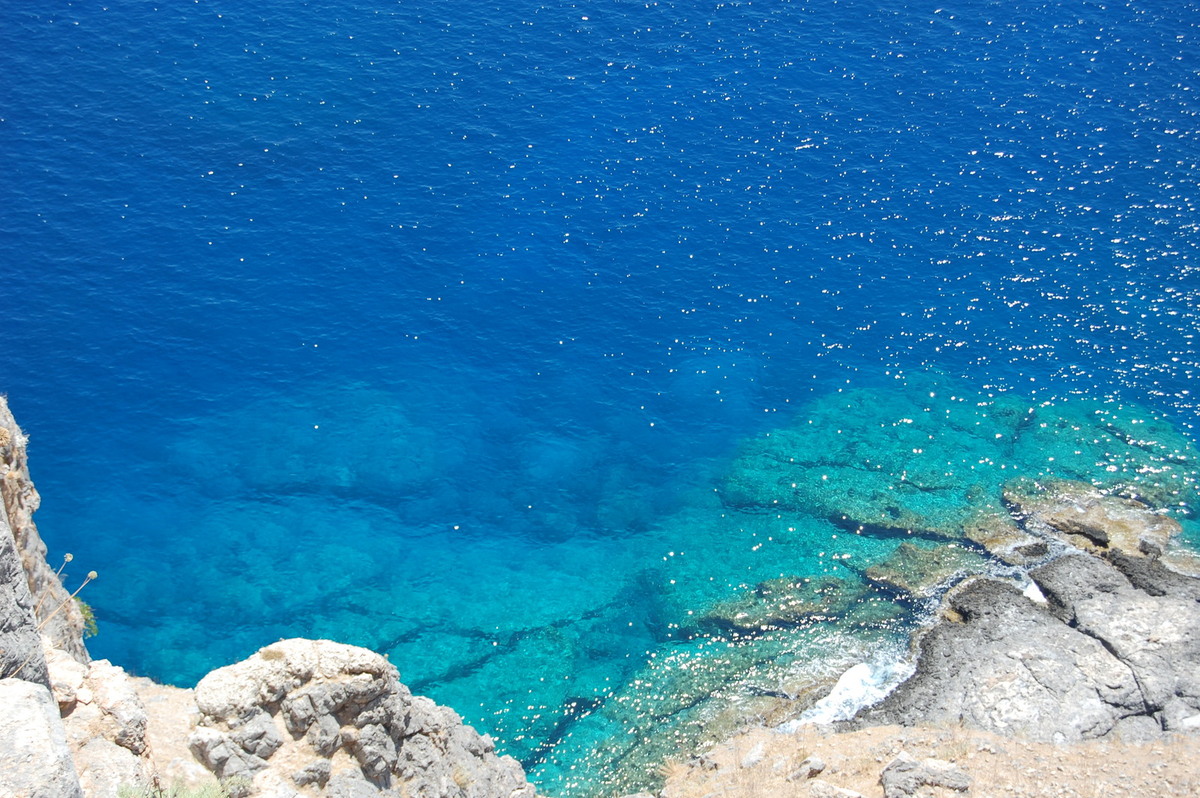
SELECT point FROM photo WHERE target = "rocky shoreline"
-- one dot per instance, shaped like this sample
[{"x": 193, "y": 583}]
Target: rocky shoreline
[{"x": 1094, "y": 638}]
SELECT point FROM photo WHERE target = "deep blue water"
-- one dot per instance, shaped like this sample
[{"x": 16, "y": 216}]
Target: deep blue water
[{"x": 432, "y": 326}]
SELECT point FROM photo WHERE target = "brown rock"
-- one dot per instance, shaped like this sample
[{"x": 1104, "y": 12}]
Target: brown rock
[{"x": 1083, "y": 516}]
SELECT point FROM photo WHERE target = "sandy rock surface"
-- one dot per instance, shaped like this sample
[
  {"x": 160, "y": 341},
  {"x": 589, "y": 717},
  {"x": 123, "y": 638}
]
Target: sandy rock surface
[{"x": 992, "y": 765}]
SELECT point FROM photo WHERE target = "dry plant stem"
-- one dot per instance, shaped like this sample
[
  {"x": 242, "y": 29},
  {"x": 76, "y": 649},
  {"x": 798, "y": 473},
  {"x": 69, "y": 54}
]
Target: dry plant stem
[
  {"x": 66, "y": 559},
  {"x": 91, "y": 575}
]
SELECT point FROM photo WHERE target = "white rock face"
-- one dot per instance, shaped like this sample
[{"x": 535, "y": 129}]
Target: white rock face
[
  {"x": 313, "y": 717},
  {"x": 34, "y": 759}
]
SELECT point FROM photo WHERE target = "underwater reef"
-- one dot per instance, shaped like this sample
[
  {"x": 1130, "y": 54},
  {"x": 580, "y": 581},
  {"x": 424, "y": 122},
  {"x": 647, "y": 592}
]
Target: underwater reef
[{"x": 933, "y": 456}]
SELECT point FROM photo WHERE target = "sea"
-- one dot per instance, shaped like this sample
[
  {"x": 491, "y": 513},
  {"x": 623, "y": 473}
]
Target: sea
[{"x": 439, "y": 328}]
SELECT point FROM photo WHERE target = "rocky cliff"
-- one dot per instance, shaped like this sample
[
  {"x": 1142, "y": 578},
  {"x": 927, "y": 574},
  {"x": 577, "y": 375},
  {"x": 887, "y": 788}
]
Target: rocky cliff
[{"x": 58, "y": 618}]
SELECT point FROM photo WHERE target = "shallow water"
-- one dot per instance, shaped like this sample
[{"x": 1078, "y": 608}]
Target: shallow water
[{"x": 441, "y": 330}]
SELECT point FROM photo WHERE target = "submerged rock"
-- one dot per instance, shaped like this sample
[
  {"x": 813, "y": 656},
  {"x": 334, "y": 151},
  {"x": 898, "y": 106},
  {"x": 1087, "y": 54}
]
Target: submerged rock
[
  {"x": 932, "y": 457},
  {"x": 920, "y": 569},
  {"x": 782, "y": 603},
  {"x": 1004, "y": 539}
]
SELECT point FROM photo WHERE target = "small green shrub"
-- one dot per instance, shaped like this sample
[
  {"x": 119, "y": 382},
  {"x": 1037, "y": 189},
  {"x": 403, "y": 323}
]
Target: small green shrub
[
  {"x": 229, "y": 788},
  {"x": 89, "y": 618}
]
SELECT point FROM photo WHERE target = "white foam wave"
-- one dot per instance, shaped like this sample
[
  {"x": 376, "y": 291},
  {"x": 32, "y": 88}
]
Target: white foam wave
[{"x": 859, "y": 686}]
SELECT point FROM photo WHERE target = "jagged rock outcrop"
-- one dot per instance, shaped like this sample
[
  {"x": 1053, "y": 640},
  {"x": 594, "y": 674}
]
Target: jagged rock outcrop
[
  {"x": 920, "y": 570},
  {"x": 1106, "y": 655},
  {"x": 58, "y": 617},
  {"x": 1007, "y": 664},
  {"x": 1083, "y": 516},
  {"x": 305, "y": 717},
  {"x": 1113, "y": 648},
  {"x": 1154, "y": 628}
]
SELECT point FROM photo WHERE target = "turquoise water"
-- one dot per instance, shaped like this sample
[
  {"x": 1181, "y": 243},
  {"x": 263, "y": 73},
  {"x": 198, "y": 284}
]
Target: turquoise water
[{"x": 464, "y": 332}]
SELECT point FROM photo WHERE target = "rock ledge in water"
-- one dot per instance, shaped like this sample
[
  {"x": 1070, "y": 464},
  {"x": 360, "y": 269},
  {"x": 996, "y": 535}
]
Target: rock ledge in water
[{"x": 1109, "y": 654}]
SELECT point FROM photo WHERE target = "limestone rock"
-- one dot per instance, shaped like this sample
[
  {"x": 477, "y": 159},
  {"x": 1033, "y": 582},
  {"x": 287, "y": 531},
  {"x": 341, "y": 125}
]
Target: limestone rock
[
  {"x": 67, "y": 676},
  {"x": 1156, "y": 636},
  {"x": 308, "y": 718},
  {"x": 823, "y": 789},
  {"x": 105, "y": 767},
  {"x": 1003, "y": 539},
  {"x": 20, "y": 646},
  {"x": 1114, "y": 650},
  {"x": 1085, "y": 517},
  {"x": 810, "y": 767},
  {"x": 34, "y": 759},
  {"x": 904, "y": 776}
]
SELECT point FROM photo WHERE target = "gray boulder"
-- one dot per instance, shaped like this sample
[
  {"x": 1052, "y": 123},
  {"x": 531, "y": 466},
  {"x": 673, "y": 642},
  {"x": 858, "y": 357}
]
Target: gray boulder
[
  {"x": 823, "y": 789},
  {"x": 1113, "y": 650},
  {"x": 1008, "y": 665},
  {"x": 904, "y": 776}
]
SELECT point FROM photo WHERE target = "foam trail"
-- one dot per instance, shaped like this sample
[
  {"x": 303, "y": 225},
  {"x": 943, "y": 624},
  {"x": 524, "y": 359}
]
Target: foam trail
[{"x": 859, "y": 686}]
